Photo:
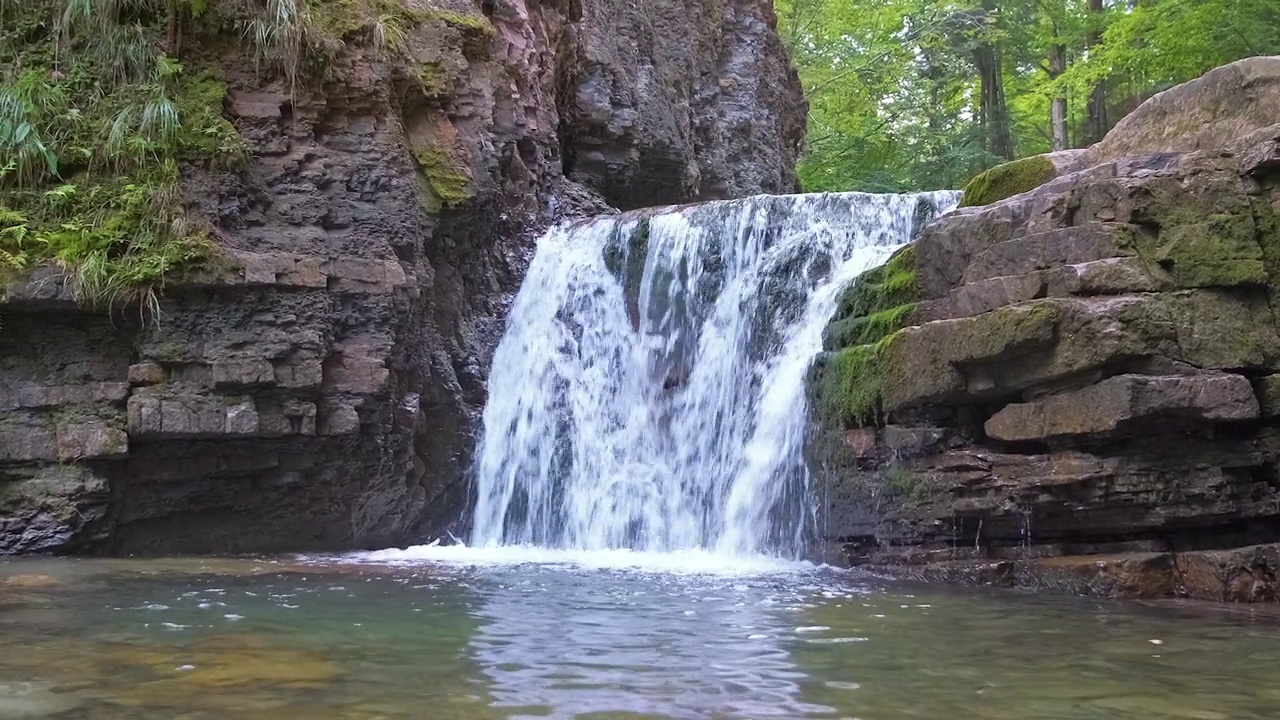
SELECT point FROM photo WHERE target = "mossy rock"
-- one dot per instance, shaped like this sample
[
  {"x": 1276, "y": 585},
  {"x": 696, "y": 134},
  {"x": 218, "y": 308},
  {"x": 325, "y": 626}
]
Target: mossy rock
[
  {"x": 865, "y": 329},
  {"x": 434, "y": 79},
  {"x": 443, "y": 159},
  {"x": 877, "y": 304},
  {"x": 846, "y": 386},
  {"x": 1009, "y": 179}
]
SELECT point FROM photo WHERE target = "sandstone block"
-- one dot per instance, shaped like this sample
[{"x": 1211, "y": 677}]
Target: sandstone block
[
  {"x": 242, "y": 371},
  {"x": 340, "y": 420},
  {"x": 1111, "y": 404},
  {"x": 1269, "y": 395},
  {"x": 1204, "y": 114},
  {"x": 1111, "y": 276},
  {"x": 177, "y": 416},
  {"x": 24, "y": 442},
  {"x": 1049, "y": 249},
  {"x": 861, "y": 440},
  {"x": 90, "y": 439},
  {"x": 147, "y": 373},
  {"x": 923, "y": 361}
]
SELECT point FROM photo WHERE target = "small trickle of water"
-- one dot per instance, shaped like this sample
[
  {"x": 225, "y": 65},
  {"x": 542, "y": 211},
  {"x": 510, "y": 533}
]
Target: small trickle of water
[{"x": 649, "y": 391}]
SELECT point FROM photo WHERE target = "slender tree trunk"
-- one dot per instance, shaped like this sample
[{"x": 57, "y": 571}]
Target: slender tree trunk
[
  {"x": 992, "y": 108},
  {"x": 1098, "y": 121},
  {"x": 993, "y": 111},
  {"x": 1058, "y": 107}
]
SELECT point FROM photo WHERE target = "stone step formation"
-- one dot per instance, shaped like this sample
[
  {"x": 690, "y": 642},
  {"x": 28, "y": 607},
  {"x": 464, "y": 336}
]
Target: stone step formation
[{"x": 1083, "y": 394}]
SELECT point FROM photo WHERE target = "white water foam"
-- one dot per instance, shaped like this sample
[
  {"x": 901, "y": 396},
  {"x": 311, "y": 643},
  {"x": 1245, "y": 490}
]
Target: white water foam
[
  {"x": 679, "y": 562},
  {"x": 648, "y": 394}
]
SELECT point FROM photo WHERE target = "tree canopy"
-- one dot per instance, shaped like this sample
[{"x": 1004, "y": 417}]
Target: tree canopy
[{"x": 924, "y": 94}]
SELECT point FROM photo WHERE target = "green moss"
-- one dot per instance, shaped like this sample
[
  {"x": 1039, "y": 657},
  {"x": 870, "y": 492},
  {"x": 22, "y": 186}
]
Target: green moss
[
  {"x": 878, "y": 303},
  {"x": 94, "y": 187},
  {"x": 1266, "y": 218},
  {"x": 434, "y": 79},
  {"x": 342, "y": 19},
  {"x": 888, "y": 286},
  {"x": 1007, "y": 180},
  {"x": 848, "y": 386},
  {"x": 870, "y": 328},
  {"x": 904, "y": 484},
  {"x": 1220, "y": 251},
  {"x": 207, "y": 135},
  {"x": 478, "y": 24},
  {"x": 449, "y": 183}
]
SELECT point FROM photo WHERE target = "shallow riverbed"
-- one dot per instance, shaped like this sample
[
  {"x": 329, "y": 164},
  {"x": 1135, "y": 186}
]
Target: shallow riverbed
[{"x": 455, "y": 633}]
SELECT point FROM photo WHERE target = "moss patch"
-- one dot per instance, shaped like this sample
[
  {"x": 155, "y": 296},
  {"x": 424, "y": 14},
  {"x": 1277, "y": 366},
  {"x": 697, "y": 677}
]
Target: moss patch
[
  {"x": 905, "y": 485},
  {"x": 433, "y": 79},
  {"x": 870, "y": 328},
  {"x": 847, "y": 386},
  {"x": 477, "y": 24},
  {"x": 442, "y": 160},
  {"x": 1220, "y": 251},
  {"x": 878, "y": 303},
  {"x": 94, "y": 121},
  {"x": 1007, "y": 180}
]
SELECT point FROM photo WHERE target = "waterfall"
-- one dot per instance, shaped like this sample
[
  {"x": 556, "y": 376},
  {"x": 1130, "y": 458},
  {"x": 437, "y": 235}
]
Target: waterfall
[{"x": 648, "y": 392}]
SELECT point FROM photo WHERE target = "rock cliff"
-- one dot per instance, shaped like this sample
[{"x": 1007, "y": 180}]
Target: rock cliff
[
  {"x": 1076, "y": 387},
  {"x": 316, "y": 384}
]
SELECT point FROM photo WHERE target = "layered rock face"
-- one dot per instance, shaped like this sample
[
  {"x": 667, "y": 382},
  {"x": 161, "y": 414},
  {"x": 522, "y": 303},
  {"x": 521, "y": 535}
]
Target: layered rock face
[
  {"x": 318, "y": 387},
  {"x": 1078, "y": 388}
]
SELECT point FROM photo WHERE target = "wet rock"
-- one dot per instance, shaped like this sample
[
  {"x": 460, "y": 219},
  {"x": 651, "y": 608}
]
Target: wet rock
[
  {"x": 1123, "y": 400},
  {"x": 1097, "y": 360}
]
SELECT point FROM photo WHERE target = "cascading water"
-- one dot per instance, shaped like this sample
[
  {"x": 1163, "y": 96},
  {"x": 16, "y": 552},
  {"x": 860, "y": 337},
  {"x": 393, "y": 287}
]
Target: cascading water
[{"x": 649, "y": 391}]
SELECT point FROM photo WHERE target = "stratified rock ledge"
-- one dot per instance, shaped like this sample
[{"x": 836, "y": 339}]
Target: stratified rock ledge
[{"x": 1086, "y": 396}]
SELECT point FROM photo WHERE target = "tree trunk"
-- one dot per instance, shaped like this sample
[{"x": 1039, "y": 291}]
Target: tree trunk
[
  {"x": 1058, "y": 107},
  {"x": 1098, "y": 121},
  {"x": 993, "y": 112}
]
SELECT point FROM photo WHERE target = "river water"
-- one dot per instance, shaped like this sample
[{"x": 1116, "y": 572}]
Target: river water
[
  {"x": 641, "y": 497},
  {"x": 455, "y": 633}
]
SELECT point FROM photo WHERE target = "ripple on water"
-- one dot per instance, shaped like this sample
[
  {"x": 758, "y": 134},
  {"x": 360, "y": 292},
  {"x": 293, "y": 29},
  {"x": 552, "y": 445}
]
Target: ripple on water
[{"x": 496, "y": 641}]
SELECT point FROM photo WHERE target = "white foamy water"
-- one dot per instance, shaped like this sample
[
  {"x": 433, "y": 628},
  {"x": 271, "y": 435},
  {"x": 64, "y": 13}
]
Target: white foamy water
[
  {"x": 679, "y": 562},
  {"x": 648, "y": 394}
]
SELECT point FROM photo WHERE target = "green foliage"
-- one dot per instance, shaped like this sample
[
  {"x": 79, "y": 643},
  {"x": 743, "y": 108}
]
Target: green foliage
[
  {"x": 95, "y": 118},
  {"x": 894, "y": 86},
  {"x": 904, "y": 484},
  {"x": 1007, "y": 180},
  {"x": 1160, "y": 43}
]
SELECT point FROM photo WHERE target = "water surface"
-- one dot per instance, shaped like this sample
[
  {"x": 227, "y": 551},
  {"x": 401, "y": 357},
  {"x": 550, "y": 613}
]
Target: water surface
[{"x": 457, "y": 634}]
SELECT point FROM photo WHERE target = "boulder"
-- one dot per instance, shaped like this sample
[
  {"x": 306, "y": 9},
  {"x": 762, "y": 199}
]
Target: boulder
[{"x": 1124, "y": 401}]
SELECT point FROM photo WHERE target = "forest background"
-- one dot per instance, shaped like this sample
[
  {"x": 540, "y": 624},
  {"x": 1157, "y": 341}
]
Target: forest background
[{"x": 911, "y": 95}]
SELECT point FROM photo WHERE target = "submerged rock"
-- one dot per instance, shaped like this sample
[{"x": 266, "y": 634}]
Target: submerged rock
[{"x": 1083, "y": 396}]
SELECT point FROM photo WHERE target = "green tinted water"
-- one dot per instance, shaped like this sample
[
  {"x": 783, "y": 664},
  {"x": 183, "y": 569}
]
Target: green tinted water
[{"x": 333, "y": 639}]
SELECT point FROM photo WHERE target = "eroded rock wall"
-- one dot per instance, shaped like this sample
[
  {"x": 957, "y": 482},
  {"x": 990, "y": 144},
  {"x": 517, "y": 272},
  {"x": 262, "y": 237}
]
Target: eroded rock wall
[
  {"x": 1084, "y": 397},
  {"x": 319, "y": 386}
]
